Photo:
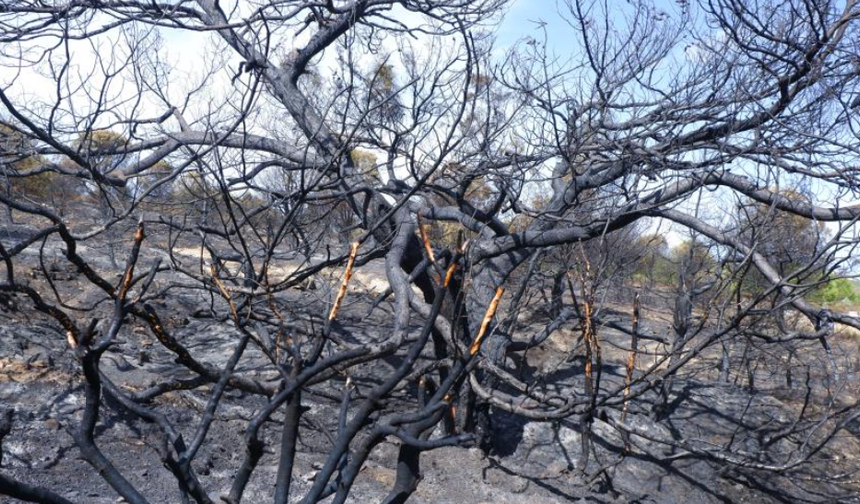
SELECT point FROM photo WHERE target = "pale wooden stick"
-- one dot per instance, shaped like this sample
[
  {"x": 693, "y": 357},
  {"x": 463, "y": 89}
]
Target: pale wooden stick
[
  {"x": 488, "y": 317},
  {"x": 224, "y": 292},
  {"x": 631, "y": 357},
  {"x": 426, "y": 240},
  {"x": 341, "y": 293}
]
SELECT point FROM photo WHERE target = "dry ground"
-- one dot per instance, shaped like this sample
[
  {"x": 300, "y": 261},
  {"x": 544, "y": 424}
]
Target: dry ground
[{"x": 532, "y": 462}]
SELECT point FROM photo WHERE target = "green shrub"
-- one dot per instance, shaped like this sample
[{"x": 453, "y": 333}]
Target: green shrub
[{"x": 838, "y": 290}]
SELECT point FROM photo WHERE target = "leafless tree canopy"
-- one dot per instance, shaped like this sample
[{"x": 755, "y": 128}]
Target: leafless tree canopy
[{"x": 501, "y": 199}]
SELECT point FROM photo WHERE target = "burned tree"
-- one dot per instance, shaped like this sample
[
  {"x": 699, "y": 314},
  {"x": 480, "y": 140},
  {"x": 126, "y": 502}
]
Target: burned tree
[{"x": 322, "y": 145}]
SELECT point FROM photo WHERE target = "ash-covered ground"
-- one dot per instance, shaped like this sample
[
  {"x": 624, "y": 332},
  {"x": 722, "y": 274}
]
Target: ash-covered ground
[{"x": 532, "y": 462}]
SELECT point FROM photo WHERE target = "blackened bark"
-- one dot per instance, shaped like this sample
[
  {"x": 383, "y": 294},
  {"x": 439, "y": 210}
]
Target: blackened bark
[
  {"x": 408, "y": 475},
  {"x": 289, "y": 437}
]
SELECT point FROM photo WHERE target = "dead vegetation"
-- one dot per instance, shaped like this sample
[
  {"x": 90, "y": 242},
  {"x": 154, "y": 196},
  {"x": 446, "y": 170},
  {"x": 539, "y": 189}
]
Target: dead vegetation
[{"x": 359, "y": 252}]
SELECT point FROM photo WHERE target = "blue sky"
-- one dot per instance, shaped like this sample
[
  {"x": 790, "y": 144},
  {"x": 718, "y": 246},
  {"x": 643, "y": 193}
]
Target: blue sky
[{"x": 525, "y": 16}]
